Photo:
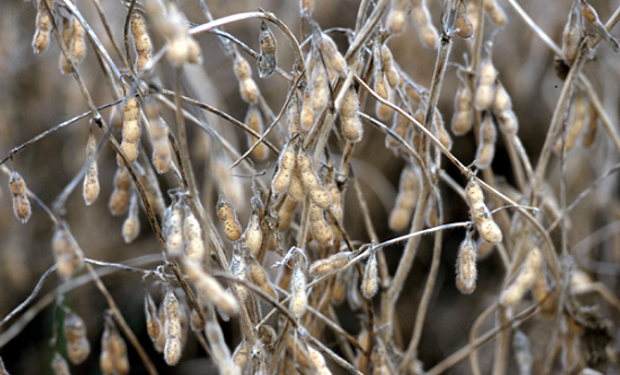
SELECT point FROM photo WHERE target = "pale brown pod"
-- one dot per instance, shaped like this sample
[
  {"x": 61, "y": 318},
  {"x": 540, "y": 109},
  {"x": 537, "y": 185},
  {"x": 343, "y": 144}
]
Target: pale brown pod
[
  {"x": 91, "y": 187},
  {"x": 254, "y": 121},
  {"x": 141, "y": 40},
  {"x": 524, "y": 279},
  {"x": 590, "y": 132},
  {"x": 242, "y": 68},
  {"x": 576, "y": 125},
  {"x": 249, "y": 90},
  {"x": 307, "y": 113},
  {"x": 501, "y": 100},
  {"x": 78, "y": 351},
  {"x": 488, "y": 229},
  {"x": 253, "y": 235},
  {"x": 119, "y": 200},
  {"x": 331, "y": 54},
  {"x": 333, "y": 263},
  {"x": 209, "y": 290},
  {"x": 311, "y": 183},
  {"x": 260, "y": 278},
  {"x": 391, "y": 73},
  {"x": 67, "y": 36},
  {"x": 383, "y": 90},
  {"x": 463, "y": 117},
  {"x": 571, "y": 36},
  {"x": 241, "y": 355},
  {"x": 485, "y": 89},
  {"x": 320, "y": 87},
  {"x": 153, "y": 325},
  {"x": 321, "y": 231},
  {"x": 405, "y": 200},
  {"x": 286, "y": 213},
  {"x": 542, "y": 295},
  {"x": 59, "y": 364},
  {"x": 194, "y": 246},
  {"x": 397, "y": 16},
  {"x": 173, "y": 230},
  {"x": 351, "y": 125},
  {"x": 466, "y": 266},
  {"x": 296, "y": 189},
  {"x": 465, "y": 28},
  {"x": 219, "y": 350},
  {"x": 400, "y": 126},
  {"x": 589, "y": 13},
  {"x": 267, "y": 60},
  {"x": 21, "y": 204},
  {"x": 68, "y": 254},
  {"x": 74, "y": 327},
  {"x": 370, "y": 281},
  {"x": 118, "y": 353},
  {"x": 78, "y": 43},
  {"x": 293, "y": 114},
  {"x": 131, "y": 225},
  {"x": 495, "y": 12},
  {"x": 486, "y": 145},
  {"x": 226, "y": 213},
  {"x": 41, "y": 39},
  {"x": 422, "y": 20},
  {"x": 238, "y": 269},
  {"x": 172, "y": 329},
  {"x": 299, "y": 301},
  {"x": 442, "y": 134},
  {"x": 286, "y": 165}
]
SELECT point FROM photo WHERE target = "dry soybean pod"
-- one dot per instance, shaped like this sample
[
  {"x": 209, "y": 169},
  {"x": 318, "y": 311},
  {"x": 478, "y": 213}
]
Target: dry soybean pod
[
  {"x": 253, "y": 235},
  {"x": 267, "y": 61},
  {"x": 260, "y": 278},
  {"x": 486, "y": 145},
  {"x": 21, "y": 204},
  {"x": 311, "y": 182},
  {"x": 286, "y": 165},
  {"x": 209, "y": 290},
  {"x": 370, "y": 281},
  {"x": 67, "y": 252},
  {"x": 524, "y": 279},
  {"x": 131, "y": 226},
  {"x": 141, "y": 40},
  {"x": 397, "y": 16},
  {"x": 153, "y": 324},
  {"x": 299, "y": 301},
  {"x": 351, "y": 125},
  {"x": 577, "y": 121},
  {"x": 466, "y": 266},
  {"x": 77, "y": 49},
  {"x": 422, "y": 20},
  {"x": 332, "y": 56},
  {"x": 78, "y": 347},
  {"x": 464, "y": 26},
  {"x": 119, "y": 199},
  {"x": 67, "y": 36},
  {"x": 41, "y": 39},
  {"x": 226, "y": 213},
  {"x": 495, "y": 12},
  {"x": 463, "y": 117},
  {"x": 131, "y": 129},
  {"x": 254, "y": 121},
  {"x": 172, "y": 329},
  {"x": 590, "y": 132},
  {"x": 91, "y": 187},
  {"x": 484, "y": 90},
  {"x": 405, "y": 200},
  {"x": 487, "y": 228},
  {"x": 158, "y": 131},
  {"x": 173, "y": 229},
  {"x": 194, "y": 246}
]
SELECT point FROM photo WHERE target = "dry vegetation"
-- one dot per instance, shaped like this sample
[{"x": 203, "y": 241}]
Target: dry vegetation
[{"x": 366, "y": 187}]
